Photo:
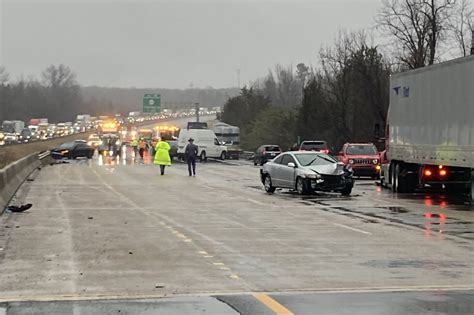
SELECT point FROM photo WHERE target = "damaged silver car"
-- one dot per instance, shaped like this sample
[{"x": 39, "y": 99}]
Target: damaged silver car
[{"x": 307, "y": 172}]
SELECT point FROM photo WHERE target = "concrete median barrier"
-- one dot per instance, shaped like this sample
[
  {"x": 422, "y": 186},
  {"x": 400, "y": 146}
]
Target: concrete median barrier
[{"x": 13, "y": 175}]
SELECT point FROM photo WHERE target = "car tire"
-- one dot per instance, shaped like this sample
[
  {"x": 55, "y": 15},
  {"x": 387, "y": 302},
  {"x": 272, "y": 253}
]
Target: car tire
[
  {"x": 90, "y": 155},
  {"x": 223, "y": 155},
  {"x": 255, "y": 162},
  {"x": 301, "y": 186},
  {"x": 346, "y": 191},
  {"x": 267, "y": 184},
  {"x": 203, "y": 157}
]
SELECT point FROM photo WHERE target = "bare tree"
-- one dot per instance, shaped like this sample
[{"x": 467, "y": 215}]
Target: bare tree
[
  {"x": 418, "y": 27},
  {"x": 60, "y": 76},
  {"x": 462, "y": 26}
]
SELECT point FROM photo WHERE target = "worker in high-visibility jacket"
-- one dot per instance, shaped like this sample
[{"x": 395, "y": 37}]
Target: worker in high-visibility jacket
[
  {"x": 162, "y": 155},
  {"x": 134, "y": 144}
]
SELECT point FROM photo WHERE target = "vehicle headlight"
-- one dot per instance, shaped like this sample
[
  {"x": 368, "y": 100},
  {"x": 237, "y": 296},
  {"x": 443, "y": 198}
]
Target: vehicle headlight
[
  {"x": 89, "y": 143},
  {"x": 64, "y": 151},
  {"x": 375, "y": 161},
  {"x": 351, "y": 161},
  {"x": 117, "y": 142},
  {"x": 313, "y": 176}
]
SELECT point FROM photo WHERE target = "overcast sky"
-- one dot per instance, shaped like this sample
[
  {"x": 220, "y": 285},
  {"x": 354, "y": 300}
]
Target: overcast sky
[{"x": 171, "y": 44}]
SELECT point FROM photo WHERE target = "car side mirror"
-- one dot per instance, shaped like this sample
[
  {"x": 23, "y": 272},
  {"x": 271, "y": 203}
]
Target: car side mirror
[{"x": 291, "y": 164}]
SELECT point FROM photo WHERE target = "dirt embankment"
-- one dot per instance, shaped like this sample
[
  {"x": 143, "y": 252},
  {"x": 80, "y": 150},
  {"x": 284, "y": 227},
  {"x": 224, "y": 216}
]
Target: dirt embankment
[{"x": 11, "y": 153}]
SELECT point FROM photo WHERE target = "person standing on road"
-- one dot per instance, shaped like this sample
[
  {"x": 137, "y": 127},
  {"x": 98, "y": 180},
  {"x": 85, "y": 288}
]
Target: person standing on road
[
  {"x": 141, "y": 148},
  {"x": 134, "y": 144},
  {"x": 162, "y": 155},
  {"x": 191, "y": 153}
]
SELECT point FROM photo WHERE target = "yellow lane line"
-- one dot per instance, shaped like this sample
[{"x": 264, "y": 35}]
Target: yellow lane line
[{"x": 272, "y": 304}]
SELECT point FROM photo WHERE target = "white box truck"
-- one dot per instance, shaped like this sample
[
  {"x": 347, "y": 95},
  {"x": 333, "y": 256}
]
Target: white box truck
[{"x": 430, "y": 128}]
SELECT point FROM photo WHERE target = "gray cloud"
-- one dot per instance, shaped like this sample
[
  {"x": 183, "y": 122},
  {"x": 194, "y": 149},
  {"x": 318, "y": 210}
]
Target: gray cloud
[{"x": 171, "y": 43}]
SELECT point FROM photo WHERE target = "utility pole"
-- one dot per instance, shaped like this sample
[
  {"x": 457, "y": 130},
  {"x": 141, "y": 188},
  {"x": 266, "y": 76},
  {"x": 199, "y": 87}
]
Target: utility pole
[{"x": 197, "y": 111}]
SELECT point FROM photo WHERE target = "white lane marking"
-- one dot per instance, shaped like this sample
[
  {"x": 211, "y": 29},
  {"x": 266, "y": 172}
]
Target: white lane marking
[
  {"x": 256, "y": 202},
  {"x": 351, "y": 228}
]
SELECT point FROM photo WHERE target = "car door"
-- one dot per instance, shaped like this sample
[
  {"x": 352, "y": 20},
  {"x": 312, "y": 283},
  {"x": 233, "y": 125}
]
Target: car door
[
  {"x": 287, "y": 173},
  {"x": 274, "y": 171},
  {"x": 81, "y": 150}
]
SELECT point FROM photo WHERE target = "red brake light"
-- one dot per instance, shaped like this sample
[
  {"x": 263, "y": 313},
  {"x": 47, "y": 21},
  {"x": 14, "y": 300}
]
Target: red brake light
[
  {"x": 443, "y": 173},
  {"x": 428, "y": 173}
]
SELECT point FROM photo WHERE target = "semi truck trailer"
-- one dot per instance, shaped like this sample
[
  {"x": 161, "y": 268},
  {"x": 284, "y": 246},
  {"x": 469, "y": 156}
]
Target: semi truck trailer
[{"x": 430, "y": 128}]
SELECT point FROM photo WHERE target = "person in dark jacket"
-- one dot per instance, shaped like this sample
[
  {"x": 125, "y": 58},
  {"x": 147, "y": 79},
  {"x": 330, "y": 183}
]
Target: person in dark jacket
[{"x": 191, "y": 153}]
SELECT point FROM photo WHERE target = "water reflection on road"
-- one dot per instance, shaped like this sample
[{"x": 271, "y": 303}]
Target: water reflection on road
[{"x": 128, "y": 156}]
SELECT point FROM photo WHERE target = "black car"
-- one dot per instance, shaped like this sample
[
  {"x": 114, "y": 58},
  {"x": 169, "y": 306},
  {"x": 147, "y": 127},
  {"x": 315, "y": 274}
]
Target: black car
[
  {"x": 72, "y": 150},
  {"x": 266, "y": 152}
]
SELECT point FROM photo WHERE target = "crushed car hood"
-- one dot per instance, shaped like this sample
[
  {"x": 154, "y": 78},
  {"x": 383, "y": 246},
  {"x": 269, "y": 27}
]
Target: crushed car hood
[{"x": 328, "y": 169}]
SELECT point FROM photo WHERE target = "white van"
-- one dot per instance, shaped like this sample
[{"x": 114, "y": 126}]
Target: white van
[{"x": 206, "y": 141}]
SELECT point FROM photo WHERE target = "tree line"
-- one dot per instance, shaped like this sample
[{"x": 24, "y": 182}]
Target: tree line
[
  {"x": 345, "y": 97},
  {"x": 58, "y": 96}
]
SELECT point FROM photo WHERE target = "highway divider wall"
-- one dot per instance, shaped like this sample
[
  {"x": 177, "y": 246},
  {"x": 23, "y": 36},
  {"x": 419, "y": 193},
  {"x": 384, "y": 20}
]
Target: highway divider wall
[
  {"x": 12, "y": 153},
  {"x": 13, "y": 175}
]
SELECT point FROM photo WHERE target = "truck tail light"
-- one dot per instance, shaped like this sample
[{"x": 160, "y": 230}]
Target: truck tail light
[
  {"x": 443, "y": 173},
  {"x": 428, "y": 173}
]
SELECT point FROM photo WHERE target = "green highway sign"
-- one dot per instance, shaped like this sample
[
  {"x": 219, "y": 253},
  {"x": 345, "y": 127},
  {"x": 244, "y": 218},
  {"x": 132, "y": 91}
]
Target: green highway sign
[{"x": 151, "y": 103}]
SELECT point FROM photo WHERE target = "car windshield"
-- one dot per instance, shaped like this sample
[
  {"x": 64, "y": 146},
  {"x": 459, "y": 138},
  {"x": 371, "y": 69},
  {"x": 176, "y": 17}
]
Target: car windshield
[
  {"x": 315, "y": 159},
  {"x": 361, "y": 150},
  {"x": 272, "y": 149},
  {"x": 315, "y": 145},
  {"x": 66, "y": 146}
]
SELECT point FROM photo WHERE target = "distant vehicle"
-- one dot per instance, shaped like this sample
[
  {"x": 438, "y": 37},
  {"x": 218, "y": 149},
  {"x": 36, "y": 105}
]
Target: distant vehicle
[
  {"x": 72, "y": 150},
  {"x": 265, "y": 153},
  {"x": 11, "y": 130},
  {"x": 93, "y": 140},
  {"x": 430, "y": 127},
  {"x": 167, "y": 132},
  {"x": 174, "y": 148},
  {"x": 307, "y": 172},
  {"x": 43, "y": 131},
  {"x": 25, "y": 136},
  {"x": 363, "y": 157},
  {"x": 315, "y": 145},
  {"x": 110, "y": 145},
  {"x": 196, "y": 125},
  {"x": 207, "y": 142},
  {"x": 230, "y": 136}
]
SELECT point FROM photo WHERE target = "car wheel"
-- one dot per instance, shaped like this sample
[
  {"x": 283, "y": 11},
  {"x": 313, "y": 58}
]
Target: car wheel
[
  {"x": 302, "y": 186},
  {"x": 90, "y": 154},
  {"x": 203, "y": 157},
  {"x": 346, "y": 191},
  {"x": 267, "y": 183},
  {"x": 223, "y": 155},
  {"x": 255, "y": 162}
]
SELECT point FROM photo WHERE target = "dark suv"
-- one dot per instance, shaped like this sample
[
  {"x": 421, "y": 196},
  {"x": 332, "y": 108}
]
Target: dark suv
[
  {"x": 315, "y": 145},
  {"x": 266, "y": 152}
]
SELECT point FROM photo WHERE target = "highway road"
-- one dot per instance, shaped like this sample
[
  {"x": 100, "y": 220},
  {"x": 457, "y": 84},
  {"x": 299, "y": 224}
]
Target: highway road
[{"x": 113, "y": 236}]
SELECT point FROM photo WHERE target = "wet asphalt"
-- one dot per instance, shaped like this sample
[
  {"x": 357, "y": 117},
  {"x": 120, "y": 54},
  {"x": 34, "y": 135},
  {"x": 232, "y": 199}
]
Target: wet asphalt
[{"x": 111, "y": 236}]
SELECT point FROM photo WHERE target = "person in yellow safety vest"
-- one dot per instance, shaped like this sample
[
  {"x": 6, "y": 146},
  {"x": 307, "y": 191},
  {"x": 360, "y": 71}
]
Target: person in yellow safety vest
[
  {"x": 162, "y": 155},
  {"x": 134, "y": 145}
]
